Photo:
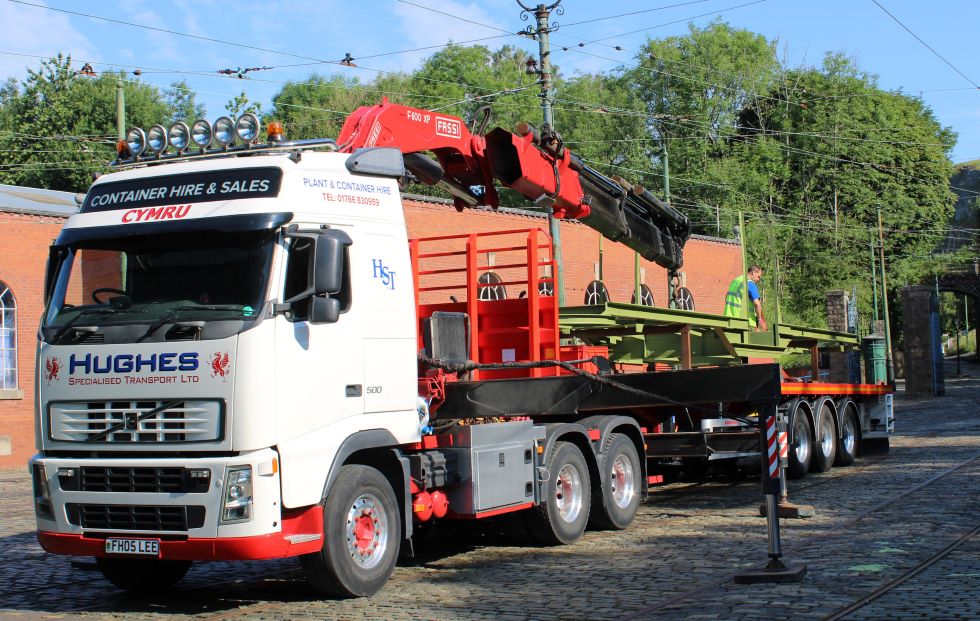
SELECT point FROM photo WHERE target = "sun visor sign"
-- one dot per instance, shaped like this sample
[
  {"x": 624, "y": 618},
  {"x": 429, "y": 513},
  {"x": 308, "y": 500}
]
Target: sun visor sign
[{"x": 219, "y": 185}]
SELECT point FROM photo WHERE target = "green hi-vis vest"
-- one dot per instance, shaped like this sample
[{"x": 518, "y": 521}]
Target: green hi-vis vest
[{"x": 733, "y": 301}]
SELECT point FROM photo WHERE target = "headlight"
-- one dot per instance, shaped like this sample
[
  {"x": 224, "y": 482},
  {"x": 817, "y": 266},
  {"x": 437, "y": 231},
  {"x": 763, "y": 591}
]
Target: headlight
[
  {"x": 156, "y": 139},
  {"x": 179, "y": 135},
  {"x": 248, "y": 127},
  {"x": 202, "y": 134},
  {"x": 238, "y": 495},
  {"x": 136, "y": 141},
  {"x": 224, "y": 131},
  {"x": 42, "y": 495}
]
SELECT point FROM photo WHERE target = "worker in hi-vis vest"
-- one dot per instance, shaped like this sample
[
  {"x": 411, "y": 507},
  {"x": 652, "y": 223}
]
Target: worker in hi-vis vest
[{"x": 733, "y": 301}]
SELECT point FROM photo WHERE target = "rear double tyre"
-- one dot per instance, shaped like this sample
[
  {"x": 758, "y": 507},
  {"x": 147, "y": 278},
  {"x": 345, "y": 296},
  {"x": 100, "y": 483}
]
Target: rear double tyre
[
  {"x": 619, "y": 499},
  {"x": 362, "y": 533},
  {"x": 825, "y": 449},
  {"x": 847, "y": 445},
  {"x": 563, "y": 516}
]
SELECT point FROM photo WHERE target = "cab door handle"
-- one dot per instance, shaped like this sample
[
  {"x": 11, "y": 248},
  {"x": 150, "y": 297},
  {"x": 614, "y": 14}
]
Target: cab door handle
[{"x": 353, "y": 390}]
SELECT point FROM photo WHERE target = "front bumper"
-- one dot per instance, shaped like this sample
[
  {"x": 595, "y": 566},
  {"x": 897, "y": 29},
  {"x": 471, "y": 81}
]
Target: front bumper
[
  {"x": 270, "y": 532},
  {"x": 302, "y": 533}
]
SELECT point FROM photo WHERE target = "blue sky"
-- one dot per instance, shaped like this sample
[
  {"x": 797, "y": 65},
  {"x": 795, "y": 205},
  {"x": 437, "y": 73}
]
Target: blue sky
[{"x": 293, "y": 35}]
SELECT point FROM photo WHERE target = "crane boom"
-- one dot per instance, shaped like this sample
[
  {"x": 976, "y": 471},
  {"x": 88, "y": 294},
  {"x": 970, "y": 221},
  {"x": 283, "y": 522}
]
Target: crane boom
[{"x": 535, "y": 164}]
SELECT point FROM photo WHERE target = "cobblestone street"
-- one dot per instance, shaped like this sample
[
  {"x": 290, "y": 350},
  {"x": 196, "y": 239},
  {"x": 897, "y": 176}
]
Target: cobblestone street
[{"x": 875, "y": 521}]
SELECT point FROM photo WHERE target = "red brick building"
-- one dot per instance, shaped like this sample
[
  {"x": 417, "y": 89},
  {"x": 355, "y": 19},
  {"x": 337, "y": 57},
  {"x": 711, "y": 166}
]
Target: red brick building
[{"x": 30, "y": 219}]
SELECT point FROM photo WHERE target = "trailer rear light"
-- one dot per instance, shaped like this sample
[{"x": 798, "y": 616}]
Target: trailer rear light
[
  {"x": 202, "y": 134},
  {"x": 238, "y": 495},
  {"x": 247, "y": 128},
  {"x": 156, "y": 139},
  {"x": 136, "y": 141},
  {"x": 224, "y": 131},
  {"x": 179, "y": 135},
  {"x": 42, "y": 494}
]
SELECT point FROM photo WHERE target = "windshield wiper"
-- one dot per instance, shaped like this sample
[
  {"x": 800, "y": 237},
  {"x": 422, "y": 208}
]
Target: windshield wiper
[
  {"x": 71, "y": 323},
  {"x": 173, "y": 312}
]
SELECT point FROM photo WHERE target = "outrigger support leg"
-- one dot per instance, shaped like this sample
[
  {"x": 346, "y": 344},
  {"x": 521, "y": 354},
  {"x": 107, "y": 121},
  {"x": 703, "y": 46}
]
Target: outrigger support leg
[
  {"x": 775, "y": 570},
  {"x": 785, "y": 508}
]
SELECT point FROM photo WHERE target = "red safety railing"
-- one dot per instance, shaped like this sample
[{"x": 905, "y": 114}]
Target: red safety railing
[{"x": 447, "y": 271}]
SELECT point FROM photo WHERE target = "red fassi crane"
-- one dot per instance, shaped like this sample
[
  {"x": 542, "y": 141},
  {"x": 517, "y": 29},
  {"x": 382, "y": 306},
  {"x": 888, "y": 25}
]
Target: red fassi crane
[{"x": 535, "y": 164}]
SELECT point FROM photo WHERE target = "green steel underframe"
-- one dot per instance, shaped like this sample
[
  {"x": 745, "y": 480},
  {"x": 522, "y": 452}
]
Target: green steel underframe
[{"x": 647, "y": 335}]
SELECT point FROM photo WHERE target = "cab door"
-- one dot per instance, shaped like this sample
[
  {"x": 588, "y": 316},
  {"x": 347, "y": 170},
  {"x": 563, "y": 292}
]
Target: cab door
[{"x": 319, "y": 367}]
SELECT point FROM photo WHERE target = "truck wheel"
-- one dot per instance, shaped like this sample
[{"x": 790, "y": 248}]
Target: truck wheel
[
  {"x": 142, "y": 575},
  {"x": 801, "y": 450},
  {"x": 847, "y": 445},
  {"x": 361, "y": 535},
  {"x": 565, "y": 512},
  {"x": 826, "y": 444},
  {"x": 616, "y": 506}
]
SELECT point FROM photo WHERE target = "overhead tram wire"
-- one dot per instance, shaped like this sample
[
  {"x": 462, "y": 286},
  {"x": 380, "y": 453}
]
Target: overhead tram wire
[
  {"x": 320, "y": 61},
  {"x": 244, "y": 45},
  {"x": 929, "y": 47},
  {"x": 313, "y": 61}
]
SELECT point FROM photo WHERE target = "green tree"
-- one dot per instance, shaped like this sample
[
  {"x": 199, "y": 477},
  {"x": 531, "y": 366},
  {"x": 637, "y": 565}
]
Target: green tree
[
  {"x": 62, "y": 126},
  {"x": 241, "y": 104},
  {"x": 183, "y": 103}
]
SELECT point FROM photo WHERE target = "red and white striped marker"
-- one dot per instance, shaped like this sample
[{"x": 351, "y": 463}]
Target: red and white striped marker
[
  {"x": 772, "y": 447},
  {"x": 783, "y": 445}
]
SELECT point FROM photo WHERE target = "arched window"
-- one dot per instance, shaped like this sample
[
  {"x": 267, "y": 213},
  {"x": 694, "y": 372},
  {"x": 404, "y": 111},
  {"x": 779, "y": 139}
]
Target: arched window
[
  {"x": 596, "y": 293},
  {"x": 646, "y": 296},
  {"x": 8, "y": 339},
  {"x": 684, "y": 300},
  {"x": 495, "y": 291}
]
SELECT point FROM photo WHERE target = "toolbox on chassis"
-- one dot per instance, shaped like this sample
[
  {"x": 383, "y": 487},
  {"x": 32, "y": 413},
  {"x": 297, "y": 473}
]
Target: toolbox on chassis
[{"x": 243, "y": 356}]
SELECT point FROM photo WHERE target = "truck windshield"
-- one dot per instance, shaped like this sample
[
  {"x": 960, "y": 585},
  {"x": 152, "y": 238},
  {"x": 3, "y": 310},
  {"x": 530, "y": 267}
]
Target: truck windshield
[{"x": 191, "y": 276}]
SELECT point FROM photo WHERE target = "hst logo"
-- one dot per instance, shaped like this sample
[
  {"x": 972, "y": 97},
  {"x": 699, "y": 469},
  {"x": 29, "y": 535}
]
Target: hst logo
[
  {"x": 384, "y": 273},
  {"x": 129, "y": 363}
]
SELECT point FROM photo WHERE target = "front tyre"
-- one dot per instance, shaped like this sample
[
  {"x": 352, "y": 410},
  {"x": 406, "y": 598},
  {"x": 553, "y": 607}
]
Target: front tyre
[
  {"x": 616, "y": 506},
  {"x": 568, "y": 495},
  {"x": 142, "y": 575},
  {"x": 362, "y": 533}
]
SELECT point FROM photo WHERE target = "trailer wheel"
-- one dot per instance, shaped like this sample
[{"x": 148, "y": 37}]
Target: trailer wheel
[
  {"x": 801, "y": 451},
  {"x": 140, "y": 575},
  {"x": 565, "y": 512},
  {"x": 847, "y": 446},
  {"x": 615, "y": 507},
  {"x": 361, "y": 532},
  {"x": 826, "y": 444}
]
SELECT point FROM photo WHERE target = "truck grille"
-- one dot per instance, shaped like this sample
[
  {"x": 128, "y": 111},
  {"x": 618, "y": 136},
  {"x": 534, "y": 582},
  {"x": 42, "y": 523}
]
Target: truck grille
[
  {"x": 187, "y": 421},
  {"x": 135, "y": 517},
  {"x": 134, "y": 480}
]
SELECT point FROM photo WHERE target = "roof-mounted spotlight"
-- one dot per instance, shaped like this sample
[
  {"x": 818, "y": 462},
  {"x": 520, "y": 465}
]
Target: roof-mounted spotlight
[
  {"x": 179, "y": 135},
  {"x": 156, "y": 139},
  {"x": 136, "y": 141},
  {"x": 202, "y": 133},
  {"x": 248, "y": 127},
  {"x": 224, "y": 131}
]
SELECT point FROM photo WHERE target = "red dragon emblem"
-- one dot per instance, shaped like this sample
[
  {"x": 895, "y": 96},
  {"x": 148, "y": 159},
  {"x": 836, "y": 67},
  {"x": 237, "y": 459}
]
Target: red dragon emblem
[
  {"x": 52, "y": 367},
  {"x": 219, "y": 364}
]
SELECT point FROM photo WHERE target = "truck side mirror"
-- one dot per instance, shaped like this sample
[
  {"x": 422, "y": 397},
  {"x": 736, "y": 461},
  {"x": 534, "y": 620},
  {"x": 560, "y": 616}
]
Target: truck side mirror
[
  {"x": 324, "y": 309},
  {"x": 328, "y": 265}
]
